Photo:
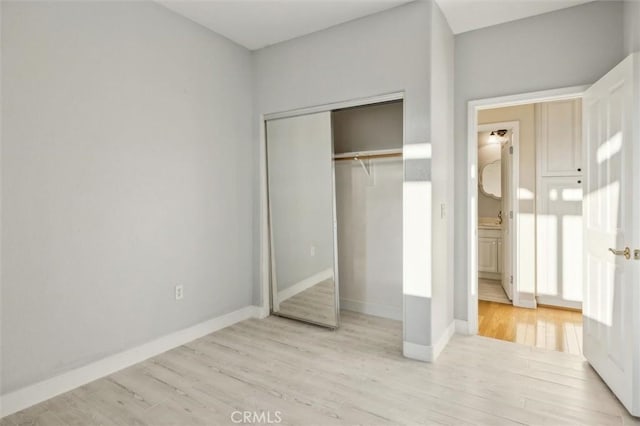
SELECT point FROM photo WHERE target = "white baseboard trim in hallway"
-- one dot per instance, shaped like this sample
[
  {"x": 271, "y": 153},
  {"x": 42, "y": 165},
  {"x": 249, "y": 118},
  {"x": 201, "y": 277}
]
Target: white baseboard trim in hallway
[
  {"x": 425, "y": 352},
  {"x": 46, "y": 389},
  {"x": 384, "y": 311}
]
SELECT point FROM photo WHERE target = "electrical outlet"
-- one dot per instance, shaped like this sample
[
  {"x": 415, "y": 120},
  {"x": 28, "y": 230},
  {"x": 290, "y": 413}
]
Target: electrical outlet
[
  {"x": 179, "y": 292},
  {"x": 312, "y": 251}
]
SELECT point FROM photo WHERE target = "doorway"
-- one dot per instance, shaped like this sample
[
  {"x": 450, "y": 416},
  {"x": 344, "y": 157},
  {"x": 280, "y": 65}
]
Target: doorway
[
  {"x": 539, "y": 280},
  {"x": 497, "y": 176}
]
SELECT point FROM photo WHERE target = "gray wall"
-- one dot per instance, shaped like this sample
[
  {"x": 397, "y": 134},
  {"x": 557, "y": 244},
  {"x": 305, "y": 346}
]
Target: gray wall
[
  {"x": 381, "y": 53},
  {"x": 631, "y": 26},
  {"x": 564, "y": 48},
  {"x": 125, "y": 171},
  {"x": 368, "y": 127}
]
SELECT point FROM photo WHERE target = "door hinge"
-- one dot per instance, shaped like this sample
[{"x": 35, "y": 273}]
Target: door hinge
[
  {"x": 511, "y": 150},
  {"x": 510, "y": 214},
  {"x": 510, "y": 279}
]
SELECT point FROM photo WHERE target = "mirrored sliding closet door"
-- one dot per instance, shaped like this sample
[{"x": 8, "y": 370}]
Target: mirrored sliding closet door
[{"x": 301, "y": 218}]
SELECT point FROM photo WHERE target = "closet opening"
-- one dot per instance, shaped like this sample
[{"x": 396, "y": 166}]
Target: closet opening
[
  {"x": 528, "y": 222},
  {"x": 368, "y": 165},
  {"x": 334, "y": 196}
]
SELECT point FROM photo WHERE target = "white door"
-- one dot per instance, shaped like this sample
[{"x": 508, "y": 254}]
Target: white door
[
  {"x": 611, "y": 307},
  {"x": 507, "y": 222}
]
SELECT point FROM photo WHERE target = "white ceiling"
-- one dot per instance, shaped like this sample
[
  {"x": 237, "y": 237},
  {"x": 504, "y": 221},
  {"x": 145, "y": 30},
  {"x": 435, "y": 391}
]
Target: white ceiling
[
  {"x": 259, "y": 23},
  {"x": 467, "y": 15}
]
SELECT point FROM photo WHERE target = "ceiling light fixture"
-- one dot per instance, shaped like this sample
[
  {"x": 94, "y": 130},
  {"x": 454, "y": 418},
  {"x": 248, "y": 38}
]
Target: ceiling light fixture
[{"x": 497, "y": 135}]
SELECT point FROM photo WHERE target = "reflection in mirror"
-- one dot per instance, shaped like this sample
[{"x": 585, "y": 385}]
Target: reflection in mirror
[
  {"x": 301, "y": 211},
  {"x": 490, "y": 179}
]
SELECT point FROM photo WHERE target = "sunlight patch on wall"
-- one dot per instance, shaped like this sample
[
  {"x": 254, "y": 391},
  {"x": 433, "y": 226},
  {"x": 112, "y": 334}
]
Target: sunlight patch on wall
[
  {"x": 417, "y": 238},
  {"x": 525, "y": 194},
  {"x": 416, "y": 151}
]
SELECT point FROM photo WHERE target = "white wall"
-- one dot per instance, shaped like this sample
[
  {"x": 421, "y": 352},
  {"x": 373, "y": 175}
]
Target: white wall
[
  {"x": 382, "y": 53},
  {"x": 564, "y": 48},
  {"x": 126, "y": 170},
  {"x": 369, "y": 213},
  {"x": 631, "y": 26},
  {"x": 442, "y": 71}
]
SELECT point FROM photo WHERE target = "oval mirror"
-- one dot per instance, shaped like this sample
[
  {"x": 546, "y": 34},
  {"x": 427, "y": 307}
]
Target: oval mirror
[{"x": 490, "y": 180}]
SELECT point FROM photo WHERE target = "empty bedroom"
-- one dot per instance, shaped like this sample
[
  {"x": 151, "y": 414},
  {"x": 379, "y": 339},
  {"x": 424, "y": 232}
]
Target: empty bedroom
[{"x": 310, "y": 212}]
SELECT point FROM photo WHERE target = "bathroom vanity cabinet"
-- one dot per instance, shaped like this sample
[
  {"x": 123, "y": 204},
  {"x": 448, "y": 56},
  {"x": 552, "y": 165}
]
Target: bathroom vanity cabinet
[{"x": 490, "y": 252}]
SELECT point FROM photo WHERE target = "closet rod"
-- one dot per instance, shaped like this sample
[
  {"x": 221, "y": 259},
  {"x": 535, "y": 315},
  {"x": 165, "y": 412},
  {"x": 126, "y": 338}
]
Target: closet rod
[
  {"x": 378, "y": 153},
  {"x": 364, "y": 157}
]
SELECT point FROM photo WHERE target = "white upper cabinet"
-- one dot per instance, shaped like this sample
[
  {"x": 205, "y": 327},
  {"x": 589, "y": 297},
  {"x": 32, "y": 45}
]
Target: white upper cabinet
[{"x": 559, "y": 137}]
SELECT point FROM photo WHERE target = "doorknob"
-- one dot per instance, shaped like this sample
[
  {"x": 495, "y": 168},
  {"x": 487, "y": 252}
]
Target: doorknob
[{"x": 626, "y": 252}]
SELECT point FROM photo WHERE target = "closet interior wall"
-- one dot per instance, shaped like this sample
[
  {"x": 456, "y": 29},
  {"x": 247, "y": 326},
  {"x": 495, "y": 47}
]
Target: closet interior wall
[{"x": 369, "y": 208}]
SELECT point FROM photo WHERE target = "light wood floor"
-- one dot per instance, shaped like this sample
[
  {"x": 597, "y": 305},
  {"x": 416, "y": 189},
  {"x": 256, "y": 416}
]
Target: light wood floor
[
  {"x": 355, "y": 375},
  {"x": 548, "y": 328}
]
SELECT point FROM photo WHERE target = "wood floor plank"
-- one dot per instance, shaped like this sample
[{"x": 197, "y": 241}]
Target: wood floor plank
[{"x": 353, "y": 375}]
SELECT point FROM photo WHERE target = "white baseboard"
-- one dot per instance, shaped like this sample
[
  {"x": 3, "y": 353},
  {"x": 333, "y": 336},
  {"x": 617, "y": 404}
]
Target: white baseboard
[
  {"x": 384, "y": 311},
  {"x": 304, "y": 284},
  {"x": 442, "y": 342},
  {"x": 526, "y": 303},
  {"x": 425, "y": 352},
  {"x": 261, "y": 312},
  {"x": 559, "y": 302},
  {"x": 462, "y": 327},
  {"x": 46, "y": 389},
  {"x": 416, "y": 351}
]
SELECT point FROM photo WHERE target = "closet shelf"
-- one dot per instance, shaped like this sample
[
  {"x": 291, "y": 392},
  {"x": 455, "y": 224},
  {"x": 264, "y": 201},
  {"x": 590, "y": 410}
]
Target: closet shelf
[{"x": 380, "y": 153}]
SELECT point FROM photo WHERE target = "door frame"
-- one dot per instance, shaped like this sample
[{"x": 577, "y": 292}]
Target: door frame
[
  {"x": 473, "y": 107},
  {"x": 265, "y": 241},
  {"x": 514, "y": 126}
]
